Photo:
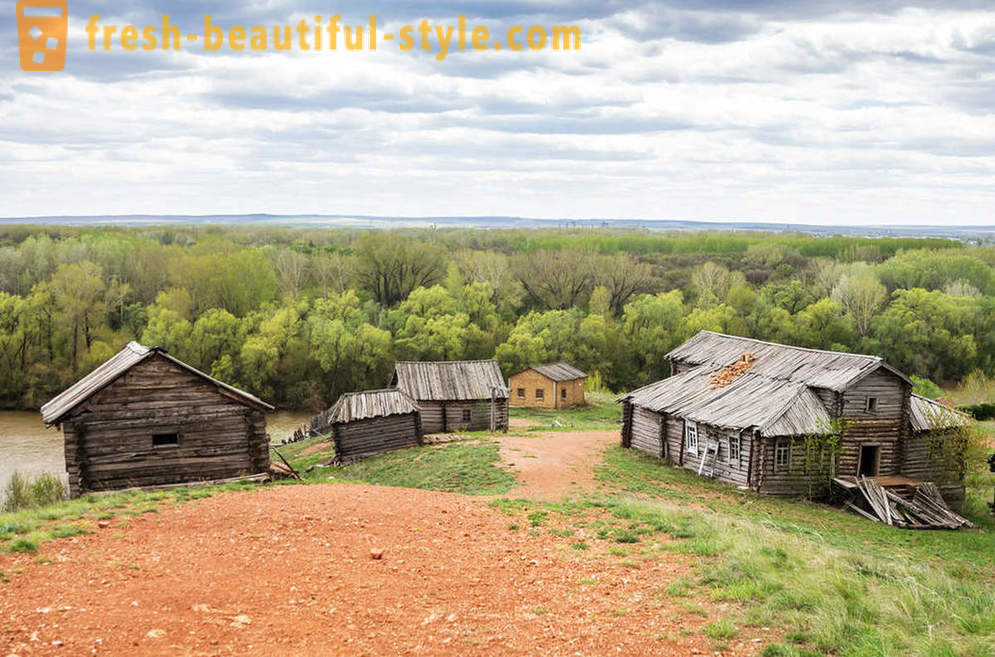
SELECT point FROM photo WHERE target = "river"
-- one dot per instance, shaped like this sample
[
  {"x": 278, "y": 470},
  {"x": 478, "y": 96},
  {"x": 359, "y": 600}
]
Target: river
[{"x": 26, "y": 446}]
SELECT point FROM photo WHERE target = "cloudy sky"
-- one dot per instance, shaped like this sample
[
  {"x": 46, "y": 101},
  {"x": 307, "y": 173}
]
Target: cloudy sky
[{"x": 779, "y": 111}]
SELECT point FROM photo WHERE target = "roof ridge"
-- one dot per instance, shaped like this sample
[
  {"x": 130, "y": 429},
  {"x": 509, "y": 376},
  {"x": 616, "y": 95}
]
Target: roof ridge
[{"x": 785, "y": 346}]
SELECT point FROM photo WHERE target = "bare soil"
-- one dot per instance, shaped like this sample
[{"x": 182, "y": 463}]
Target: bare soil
[
  {"x": 288, "y": 570},
  {"x": 555, "y": 465}
]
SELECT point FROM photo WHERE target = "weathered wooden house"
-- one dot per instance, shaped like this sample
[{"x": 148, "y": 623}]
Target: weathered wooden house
[
  {"x": 370, "y": 422},
  {"x": 554, "y": 385},
  {"x": 144, "y": 418},
  {"x": 777, "y": 418},
  {"x": 455, "y": 395}
]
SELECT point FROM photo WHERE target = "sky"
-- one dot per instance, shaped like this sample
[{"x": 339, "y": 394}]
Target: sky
[{"x": 846, "y": 112}]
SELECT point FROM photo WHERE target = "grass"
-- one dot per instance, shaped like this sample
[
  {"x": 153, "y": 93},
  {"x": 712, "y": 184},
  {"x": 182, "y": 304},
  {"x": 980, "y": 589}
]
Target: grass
[
  {"x": 600, "y": 413},
  {"x": 23, "y": 492}
]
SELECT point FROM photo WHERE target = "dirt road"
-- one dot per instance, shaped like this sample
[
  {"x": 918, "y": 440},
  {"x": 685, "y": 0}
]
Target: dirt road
[
  {"x": 288, "y": 571},
  {"x": 556, "y": 464}
]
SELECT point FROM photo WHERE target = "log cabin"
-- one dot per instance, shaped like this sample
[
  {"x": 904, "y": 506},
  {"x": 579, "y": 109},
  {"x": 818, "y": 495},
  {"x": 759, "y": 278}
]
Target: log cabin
[
  {"x": 144, "y": 418},
  {"x": 455, "y": 395},
  {"x": 370, "y": 422},
  {"x": 777, "y": 418},
  {"x": 554, "y": 385}
]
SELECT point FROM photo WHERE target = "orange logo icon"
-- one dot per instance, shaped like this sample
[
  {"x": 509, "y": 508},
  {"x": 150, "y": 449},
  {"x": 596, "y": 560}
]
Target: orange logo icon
[{"x": 41, "y": 31}]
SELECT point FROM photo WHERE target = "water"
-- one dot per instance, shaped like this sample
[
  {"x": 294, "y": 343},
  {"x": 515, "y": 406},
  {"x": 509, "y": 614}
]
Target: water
[{"x": 26, "y": 446}]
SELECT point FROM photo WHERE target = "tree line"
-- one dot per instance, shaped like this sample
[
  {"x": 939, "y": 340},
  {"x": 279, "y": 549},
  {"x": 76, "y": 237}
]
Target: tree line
[{"x": 300, "y": 316}]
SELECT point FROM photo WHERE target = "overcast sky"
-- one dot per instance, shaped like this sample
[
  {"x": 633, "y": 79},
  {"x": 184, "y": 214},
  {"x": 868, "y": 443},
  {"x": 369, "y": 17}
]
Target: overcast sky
[{"x": 805, "y": 112}]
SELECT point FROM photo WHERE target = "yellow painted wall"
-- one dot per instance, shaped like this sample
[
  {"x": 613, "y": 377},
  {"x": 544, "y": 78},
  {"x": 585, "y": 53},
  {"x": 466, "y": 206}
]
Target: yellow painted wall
[{"x": 531, "y": 381}]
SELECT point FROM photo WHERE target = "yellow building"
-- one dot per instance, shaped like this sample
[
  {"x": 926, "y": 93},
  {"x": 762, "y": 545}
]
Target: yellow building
[{"x": 555, "y": 385}]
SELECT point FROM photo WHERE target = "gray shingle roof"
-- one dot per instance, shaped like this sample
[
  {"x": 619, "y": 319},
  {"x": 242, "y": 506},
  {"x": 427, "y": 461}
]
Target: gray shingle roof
[
  {"x": 831, "y": 370},
  {"x": 450, "y": 380},
  {"x": 62, "y": 404},
  {"x": 928, "y": 415},
  {"x": 370, "y": 404},
  {"x": 559, "y": 371}
]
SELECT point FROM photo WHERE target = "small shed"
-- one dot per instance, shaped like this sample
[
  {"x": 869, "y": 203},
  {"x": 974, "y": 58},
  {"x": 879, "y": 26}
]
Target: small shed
[
  {"x": 455, "y": 395},
  {"x": 554, "y": 385},
  {"x": 145, "y": 418},
  {"x": 370, "y": 422}
]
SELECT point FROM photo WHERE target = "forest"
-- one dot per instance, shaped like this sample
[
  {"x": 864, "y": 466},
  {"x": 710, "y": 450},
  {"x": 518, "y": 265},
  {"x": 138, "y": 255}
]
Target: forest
[{"x": 299, "y": 316}]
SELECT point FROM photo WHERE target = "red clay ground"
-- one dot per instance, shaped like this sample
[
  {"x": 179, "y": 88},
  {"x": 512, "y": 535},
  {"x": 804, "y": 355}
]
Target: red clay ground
[
  {"x": 287, "y": 571},
  {"x": 555, "y": 465}
]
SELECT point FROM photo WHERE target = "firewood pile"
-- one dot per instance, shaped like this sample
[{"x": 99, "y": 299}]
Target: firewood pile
[
  {"x": 727, "y": 375},
  {"x": 926, "y": 509}
]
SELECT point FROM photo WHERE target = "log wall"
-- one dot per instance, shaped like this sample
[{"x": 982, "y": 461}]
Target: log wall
[
  {"x": 443, "y": 417},
  {"x": 376, "y": 435},
  {"x": 109, "y": 438},
  {"x": 886, "y": 426}
]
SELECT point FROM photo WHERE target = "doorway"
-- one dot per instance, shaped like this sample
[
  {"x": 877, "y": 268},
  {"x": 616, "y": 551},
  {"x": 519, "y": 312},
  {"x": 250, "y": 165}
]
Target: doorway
[{"x": 870, "y": 459}]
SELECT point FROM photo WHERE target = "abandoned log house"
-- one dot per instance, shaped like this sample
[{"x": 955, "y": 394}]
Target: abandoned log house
[
  {"x": 144, "y": 418},
  {"x": 785, "y": 420},
  {"x": 555, "y": 385},
  {"x": 455, "y": 395},
  {"x": 370, "y": 422}
]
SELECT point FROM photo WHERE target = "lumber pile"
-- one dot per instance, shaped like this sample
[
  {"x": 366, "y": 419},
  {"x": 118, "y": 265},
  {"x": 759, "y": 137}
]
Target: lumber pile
[
  {"x": 924, "y": 510},
  {"x": 727, "y": 375}
]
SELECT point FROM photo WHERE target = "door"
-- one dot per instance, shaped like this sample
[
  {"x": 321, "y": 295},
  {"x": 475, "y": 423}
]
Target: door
[{"x": 870, "y": 459}]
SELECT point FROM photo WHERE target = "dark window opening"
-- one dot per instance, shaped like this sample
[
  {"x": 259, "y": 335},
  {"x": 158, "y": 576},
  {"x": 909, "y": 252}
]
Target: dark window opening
[
  {"x": 563, "y": 393},
  {"x": 872, "y": 404},
  {"x": 521, "y": 392},
  {"x": 165, "y": 439},
  {"x": 869, "y": 458},
  {"x": 467, "y": 415},
  {"x": 540, "y": 393}
]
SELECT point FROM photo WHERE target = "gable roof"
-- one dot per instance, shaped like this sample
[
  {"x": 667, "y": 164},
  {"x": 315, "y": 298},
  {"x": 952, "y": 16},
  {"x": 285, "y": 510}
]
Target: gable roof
[
  {"x": 928, "y": 415},
  {"x": 369, "y": 404},
  {"x": 133, "y": 354},
  {"x": 449, "y": 380},
  {"x": 774, "y": 407},
  {"x": 832, "y": 370},
  {"x": 559, "y": 371}
]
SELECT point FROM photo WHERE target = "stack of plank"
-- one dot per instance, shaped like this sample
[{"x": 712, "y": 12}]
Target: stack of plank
[
  {"x": 727, "y": 375},
  {"x": 924, "y": 510}
]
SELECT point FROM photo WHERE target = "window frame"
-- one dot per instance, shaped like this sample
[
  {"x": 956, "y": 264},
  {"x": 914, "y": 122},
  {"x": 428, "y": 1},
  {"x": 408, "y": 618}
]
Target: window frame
[
  {"x": 785, "y": 445},
  {"x": 563, "y": 394},
  {"x": 871, "y": 405},
  {"x": 736, "y": 440},
  {"x": 521, "y": 393},
  {"x": 467, "y": 415},
  {"x": 165, "y": 445},
  {"x": 691, "y": 437},
  {"x": 541, "y": 393}
]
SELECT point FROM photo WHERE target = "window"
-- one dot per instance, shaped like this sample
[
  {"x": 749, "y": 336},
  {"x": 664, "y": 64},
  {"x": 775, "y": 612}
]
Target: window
[
  {"x": 872, "y": 404},
  {"x": 521, "y": 392},
  {"x": 467, "y": 415},
  {"x": 165, "y": 439},
  {"x": 540, "y": 393},
  {"x": 690, "y": 437},
  {"x": 782, "y": 455},
  {"x": 563, "y": 393},
  {"x": 734, "y": 446}
]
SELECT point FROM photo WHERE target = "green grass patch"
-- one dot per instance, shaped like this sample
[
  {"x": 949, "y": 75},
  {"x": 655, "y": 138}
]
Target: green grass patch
[
  {"x": 721, "y": 629},
  {"x": 600, "y": 413},
  {"x": 24, "y": 492}
]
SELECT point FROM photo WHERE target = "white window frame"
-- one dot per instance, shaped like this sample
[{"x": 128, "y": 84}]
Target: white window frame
[
  {"x": 691, "y": 437},
  {"x": 786, "y": 466},
  {"x": 738, "y": 441}
]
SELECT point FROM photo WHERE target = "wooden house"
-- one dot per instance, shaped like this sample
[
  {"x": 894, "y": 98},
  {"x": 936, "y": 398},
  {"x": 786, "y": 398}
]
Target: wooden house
[
  {"x": 455, "y": 395},
  {"x": 752, "y": 413},
  {"x": 555, "y": 385},
  {"x": 370, "y": 422},
  {"x": 144, "y": 418}
]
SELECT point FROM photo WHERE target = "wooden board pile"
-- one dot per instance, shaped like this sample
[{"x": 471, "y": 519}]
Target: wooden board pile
[
  {"x": 727, "y": 375},
  {"x": 926, "y": 509}
]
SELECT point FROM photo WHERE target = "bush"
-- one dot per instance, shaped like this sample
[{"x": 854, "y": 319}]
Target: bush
[
  {"x": 24, "y": 492},
  {"x": 980, "y": 412}
]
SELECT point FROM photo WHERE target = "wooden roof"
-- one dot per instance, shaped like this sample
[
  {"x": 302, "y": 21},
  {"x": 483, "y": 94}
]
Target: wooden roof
[
  {"x": 559, "y": 371},
  {"x": 929, "y": 415},
  {"x": 369, "y": 404},
  {"x": 831, "y": 370},
  {"x": 55, "y": 410},
  {"x": 774, "y": 407},
  {"x": 450, "y": 380}
]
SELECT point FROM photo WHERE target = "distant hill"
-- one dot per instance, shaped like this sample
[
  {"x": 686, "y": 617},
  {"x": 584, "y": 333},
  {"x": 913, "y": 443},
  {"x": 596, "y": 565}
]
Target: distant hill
[{"x": 362, "y": 221}]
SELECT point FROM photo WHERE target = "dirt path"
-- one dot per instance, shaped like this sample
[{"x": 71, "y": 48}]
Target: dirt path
[
  {"x": 557, "y": 464},
  {"x": 288, "y": 570}
]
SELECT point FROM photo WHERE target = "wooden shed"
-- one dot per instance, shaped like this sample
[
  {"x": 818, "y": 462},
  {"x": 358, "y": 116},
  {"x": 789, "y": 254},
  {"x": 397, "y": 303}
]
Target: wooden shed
[
  {"x": 554, "y": 385},
  {"x": 144, "y": 418},
  {"x": 750, "y": 412},
  {"x": 370, "y": 422},
  {"x": 456, "y": 395}
]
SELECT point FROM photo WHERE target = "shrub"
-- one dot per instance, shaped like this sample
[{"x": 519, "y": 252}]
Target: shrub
[
  {"x": 980, "y": 412},
  {"x": 23, "y": 492}
]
